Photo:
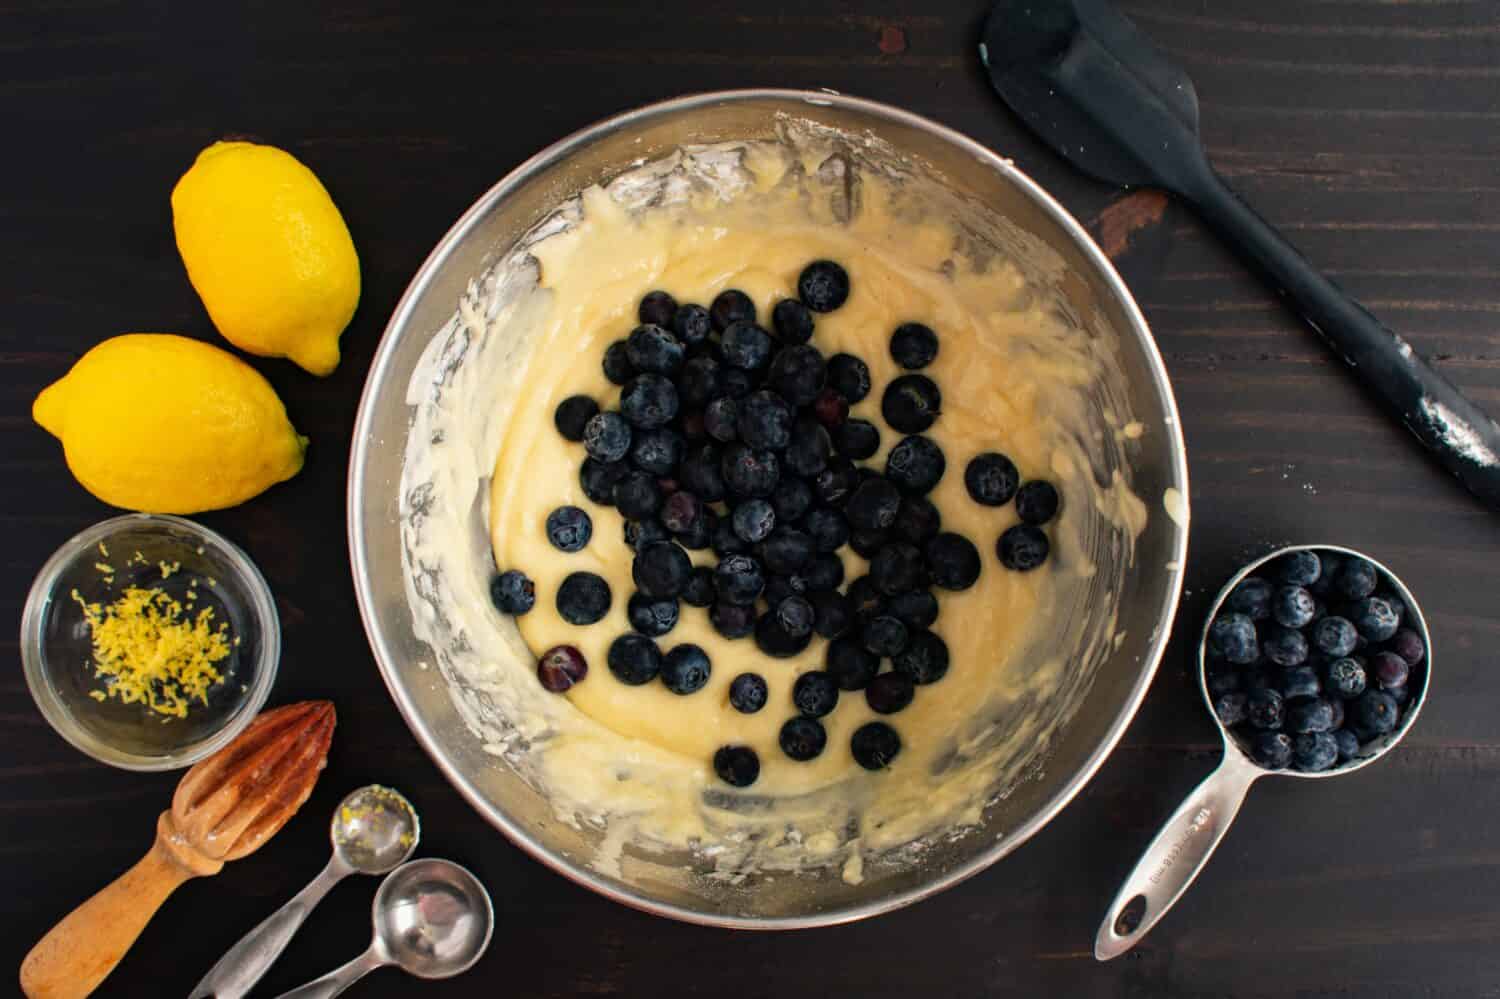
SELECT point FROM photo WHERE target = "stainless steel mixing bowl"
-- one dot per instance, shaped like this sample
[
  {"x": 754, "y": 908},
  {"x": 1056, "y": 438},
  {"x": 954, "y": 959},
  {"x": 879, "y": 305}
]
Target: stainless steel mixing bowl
[{"x": 1102, "y": 695}]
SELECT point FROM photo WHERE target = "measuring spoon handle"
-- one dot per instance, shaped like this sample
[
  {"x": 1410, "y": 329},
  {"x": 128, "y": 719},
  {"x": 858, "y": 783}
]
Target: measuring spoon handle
[
  {"x": 342, "y": 977},
  {"x": 243, "y": 964},
  {"x": 1175, "y": 856}
]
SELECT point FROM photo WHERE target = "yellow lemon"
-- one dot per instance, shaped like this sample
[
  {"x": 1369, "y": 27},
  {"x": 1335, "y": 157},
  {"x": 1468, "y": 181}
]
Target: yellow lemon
[
  {"x": 268, "y": 253},
  {"x": 164, "y": 424}
]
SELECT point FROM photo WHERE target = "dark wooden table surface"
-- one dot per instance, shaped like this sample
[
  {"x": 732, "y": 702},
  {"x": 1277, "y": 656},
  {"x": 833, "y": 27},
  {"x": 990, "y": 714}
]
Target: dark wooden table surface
[{"x": 1368, "y": 130}]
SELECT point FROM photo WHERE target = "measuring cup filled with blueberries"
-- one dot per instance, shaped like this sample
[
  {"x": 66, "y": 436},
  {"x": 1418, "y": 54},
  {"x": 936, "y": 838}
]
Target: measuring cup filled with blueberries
[{"x": 1315, "y": 661}]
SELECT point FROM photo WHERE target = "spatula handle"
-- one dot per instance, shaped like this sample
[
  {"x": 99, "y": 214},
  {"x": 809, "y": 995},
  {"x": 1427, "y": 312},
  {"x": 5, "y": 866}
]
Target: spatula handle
[
  {"x": 80, "y": 952},
  {"x": 1460, "y": 435}
]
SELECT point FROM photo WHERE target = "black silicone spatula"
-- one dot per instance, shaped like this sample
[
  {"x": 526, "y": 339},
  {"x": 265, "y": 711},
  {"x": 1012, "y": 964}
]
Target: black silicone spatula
[{"x": 1093, "y": 87}]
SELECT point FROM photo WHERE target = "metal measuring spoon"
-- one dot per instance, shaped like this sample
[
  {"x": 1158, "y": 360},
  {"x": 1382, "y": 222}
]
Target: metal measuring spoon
[
  {"x": 373, "y": 831},
  {"x": 1189, "y": 837},
  {"x": 433, "y": 919}
]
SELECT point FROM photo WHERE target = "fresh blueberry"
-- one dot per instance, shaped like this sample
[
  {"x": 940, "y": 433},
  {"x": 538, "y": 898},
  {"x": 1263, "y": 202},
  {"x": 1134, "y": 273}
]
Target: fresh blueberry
[
  {"x": 1272, "y": 750},
  {"x": 856, "y": 439},
  {"x": 657, "y": 451},
  {"x": 721, "y": 420},
  {"x": 732, "y": 620},
  {"x": 1299, "y": 568},
  {"x": 889, "y": 693},
  {"x": 648, "y": 401},
  {"x": 749, "y": 472},
  {"x": 617, "y": 366},
  {"x": 1037, "y": 502},
  {"x": 1265, "y": 708},
  {"x": 634, "y": 659},
  {"x": 651, "y": 617},
  {"x": 685, "y": 669},
  {"x": 699, "y": 532},
  {"x": 569, "y": 528},
  {"x": 899, "y": 567},
  {"x": 823, "y": 286},
  {"x": 1374, "y": 618},
  {"x": 598, "y": 479},
  {"x": 1232, "y": 636},
  {"x": 1252, "y": 597},
  {"x": 832, "y": 617},
  {"x": 637, "y": 495},
  {"x": 1356, "y": 579},
  {"x": 883, "y": 635},
  {"x": 1222, "y": 678},
  {"x": 911, "y": 403},
  {"x": 700, "y": 473},
  {"x": 802, "y": 738},
  {"x": 849, "y": 376},
  {"x": 798, "y": 373},
  {"x": 753, "y": 520},
  {"x": 654, "y": 349},
  {"x": 1311, "y": 715},
  {"x": 1348, "y": 744},
  {"x": 1336, "y": 708},
  {"x": 729, "y": 307},
  {"x": 917, "y": 520},
  {"x": 953, "y": 560},
  {"x": 1314, "y": 751},
  {"x": 815, "y": 694},
  {"x": 808, "y": 453},
  {"x": 830, "y": 408},
  {"x": 828, "y": 529},
  {"x": 915, "y": 465},
  {"x": 991, "y": 478},
  {"x": 779, "y": 588},
  {"x": 1346, "y": 678},
  {"x": 792, "y": 321},
  {"x": 791, "y": 498},
  {"x": 746, "y": 346},
  {"x": 1293, "y": 607},
  {"x": 764, "y": 420},
  {"x": 737, "y": 766},
  {"x": 725, "y": 541},
  {"x": 700, "y": 591},
  {"x": 692, "y": 324},
  {"x": 823, "y": 572},
  {"x": 1022, "y": 547},
  {"x": 925, "y": 658},
  {"x": 873, "y": 505},
  {"x": 787, "y": 550},
  {"x": 834, "y": 484},
  {"x": 1334, "y": 636},
  {"x": 1389, "y": 670},
  {"x": 698, "y": 383},
  {"x": 657, "y": 307},
  {"x": 560, "y": 667},
  {"x": 1259, "y": 677},
  {"x": 512, "y": 593},
  {"x": 1396, "y": 604},
  {"x": 916, "y": 609},
  {"x": 795, "y": 614},
  {"x": 865, "y": 600},
  {"x": 573, "y": 414},
  {"x": 773, "y": 638},
  {"x": 1408, "y": 645},
  {"x": 680, "y": 511},
  {"x": 583, "y": 598},
  {"x": 606, "y": 437},
  {"x": 1375, "y": 712},
  {"x": 867, "y": 543},
  {"x": 739, "y": 579},
  {"x": 1231, "y": 707},
  {"x": 913, "y": 346},
  {"x": 1285, "y": 647},
  {"x": 748, "y": 693},
  {"x": 874, "y": 745},
  {"x": 850, "y": 664},
  {"x": 661, "y": 570},
  {"x": 1398, "y": 694},
  {"x": 736, "y": 383}
]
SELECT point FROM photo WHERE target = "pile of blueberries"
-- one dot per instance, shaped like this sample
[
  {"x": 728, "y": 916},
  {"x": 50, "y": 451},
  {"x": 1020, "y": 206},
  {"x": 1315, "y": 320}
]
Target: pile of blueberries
[
  {"x": 738, "y": 439},
  {"x": 1312, "y": 662}
]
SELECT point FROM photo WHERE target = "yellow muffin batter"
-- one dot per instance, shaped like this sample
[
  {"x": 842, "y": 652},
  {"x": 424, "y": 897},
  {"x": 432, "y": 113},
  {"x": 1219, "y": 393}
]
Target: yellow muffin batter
[{"x": 1013, "y": 371}]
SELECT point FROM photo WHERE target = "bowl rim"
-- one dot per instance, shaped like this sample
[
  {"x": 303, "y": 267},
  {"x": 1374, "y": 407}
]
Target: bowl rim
[
  {"x": 56, "y": 712},
  {"x": 363, "y": 441}
]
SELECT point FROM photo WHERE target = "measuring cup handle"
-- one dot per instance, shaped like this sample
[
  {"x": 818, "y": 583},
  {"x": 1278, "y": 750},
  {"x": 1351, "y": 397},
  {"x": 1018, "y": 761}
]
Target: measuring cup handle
[{"x": 1175, "y": 856}]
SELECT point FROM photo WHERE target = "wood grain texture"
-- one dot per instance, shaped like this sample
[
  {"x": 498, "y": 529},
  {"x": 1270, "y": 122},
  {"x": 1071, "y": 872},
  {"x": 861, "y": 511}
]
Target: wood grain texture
[{"x": 1367, "y": 129}]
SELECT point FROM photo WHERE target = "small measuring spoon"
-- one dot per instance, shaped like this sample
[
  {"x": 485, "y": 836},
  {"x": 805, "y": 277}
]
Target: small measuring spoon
[
  {"x": 433, "y": 919},
  {"x": 1189, "y": 837},
  {"x": 373, "y": 831}
]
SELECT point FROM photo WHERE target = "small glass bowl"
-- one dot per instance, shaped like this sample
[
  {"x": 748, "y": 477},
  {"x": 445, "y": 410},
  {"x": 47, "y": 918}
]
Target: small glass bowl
[{"x": 56, "y": 642}]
